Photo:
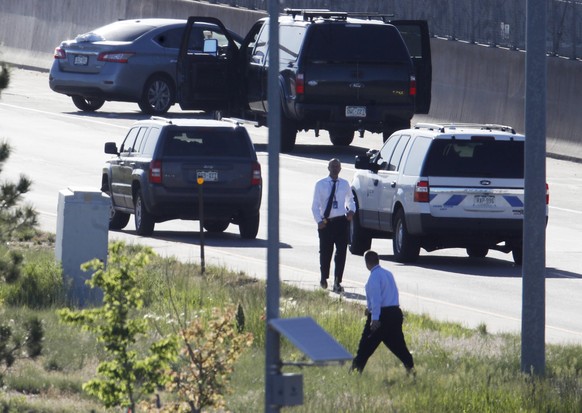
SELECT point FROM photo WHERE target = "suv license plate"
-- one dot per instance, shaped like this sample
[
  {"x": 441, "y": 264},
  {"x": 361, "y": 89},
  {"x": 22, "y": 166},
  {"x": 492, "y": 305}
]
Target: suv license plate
[
  {"x": 81, "y": 60},
  {"x": 208, "y": 176},
  {"x": 484, "y": 201},
  {"x": 355, "y": 111}
]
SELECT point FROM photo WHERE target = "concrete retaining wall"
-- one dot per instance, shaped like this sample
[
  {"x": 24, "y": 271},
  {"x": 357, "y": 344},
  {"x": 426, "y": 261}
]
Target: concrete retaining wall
[{"x": 471, "y": 83}]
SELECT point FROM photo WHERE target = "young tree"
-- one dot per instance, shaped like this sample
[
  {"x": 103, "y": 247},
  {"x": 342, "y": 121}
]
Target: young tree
[
  {"x": 124, "y": 378},
  {"x": 14, "y": 218}
]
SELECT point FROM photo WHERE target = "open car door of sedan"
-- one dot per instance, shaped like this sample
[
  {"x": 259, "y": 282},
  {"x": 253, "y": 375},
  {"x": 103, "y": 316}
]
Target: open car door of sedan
[{"x": 207, "y": 66}]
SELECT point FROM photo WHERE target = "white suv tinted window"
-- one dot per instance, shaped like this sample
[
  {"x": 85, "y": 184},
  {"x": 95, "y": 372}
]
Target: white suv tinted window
[
  {"x": 416, "y": 156},
  {"x": 478, "y": 157}
]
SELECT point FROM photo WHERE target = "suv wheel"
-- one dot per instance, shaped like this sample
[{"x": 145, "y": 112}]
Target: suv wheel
[
  {"x": 87, "y": 104},
  {"x": 248, "y": 225},
  {"x": 288, "y": 134},
  {"x": 477, "y": 252},
  {"x": 216, "y": 226},
  {"x": 144, "y": 221},
  {"x": 360, "y": 239},
  {"x": 341, "y": 137},
  {"x": 157, "y": 96},
  {"x": 405, "y": 246},
  {"x": 517, "y": 253},
  {"x": 117, "y": 219}
]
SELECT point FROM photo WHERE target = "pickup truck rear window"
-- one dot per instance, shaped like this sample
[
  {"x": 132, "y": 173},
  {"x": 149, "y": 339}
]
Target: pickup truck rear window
[
  {"x": 487, "y": 159},
  {"x": 207, "y": 142},
  {"x": 327, "y": 43}
]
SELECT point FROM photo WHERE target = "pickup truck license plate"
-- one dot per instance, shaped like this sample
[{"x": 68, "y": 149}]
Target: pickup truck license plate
[
  {"x": 81, "y": 60},
  {"x": 208, "y": 176},
  {"x": 355, "y": 111},
  {"x": 484, "y": 201}
]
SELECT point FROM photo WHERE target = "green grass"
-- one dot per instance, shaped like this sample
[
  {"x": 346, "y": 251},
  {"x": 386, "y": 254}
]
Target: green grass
[{"x": 458, "y": 369}]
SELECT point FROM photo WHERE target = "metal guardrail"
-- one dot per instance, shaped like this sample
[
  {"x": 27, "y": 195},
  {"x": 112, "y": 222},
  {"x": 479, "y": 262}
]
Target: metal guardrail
[{"x": 497, "y": 23}]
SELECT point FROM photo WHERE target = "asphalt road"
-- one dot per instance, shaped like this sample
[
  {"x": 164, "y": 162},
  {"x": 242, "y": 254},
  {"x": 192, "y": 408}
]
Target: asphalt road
[{"x": 58, "y": 147}]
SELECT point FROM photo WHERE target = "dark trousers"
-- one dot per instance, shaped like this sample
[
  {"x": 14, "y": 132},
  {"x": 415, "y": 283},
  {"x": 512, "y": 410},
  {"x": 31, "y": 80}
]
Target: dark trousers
[
  {"x": 335, "y": 233},
  {"x": 389, "y": 333}
]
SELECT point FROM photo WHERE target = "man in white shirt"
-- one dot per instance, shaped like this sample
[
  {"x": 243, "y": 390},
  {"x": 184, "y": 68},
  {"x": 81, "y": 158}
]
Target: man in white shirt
[
  {"x": 384, "y": 317},
  {"x": 332, "y": 208}
]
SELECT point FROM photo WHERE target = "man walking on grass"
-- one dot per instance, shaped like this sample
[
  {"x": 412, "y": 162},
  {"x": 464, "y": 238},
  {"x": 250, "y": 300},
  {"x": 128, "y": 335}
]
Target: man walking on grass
[{"x": 383, "y": 317}]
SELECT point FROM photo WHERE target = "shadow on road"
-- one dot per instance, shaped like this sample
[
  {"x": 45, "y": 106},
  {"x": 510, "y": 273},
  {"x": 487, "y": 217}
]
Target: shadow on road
[
  {"x": 479, "y": 267},
  {"x": 224, "y": 239}
]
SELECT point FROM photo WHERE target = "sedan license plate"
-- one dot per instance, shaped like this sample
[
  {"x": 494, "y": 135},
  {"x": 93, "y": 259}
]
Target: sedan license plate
[
  {"x": 484, "y": 201},
  {"x": 81, "y": 60},
  {"x": 355, "y": 111},
  {"x": 208, "y": 176}
]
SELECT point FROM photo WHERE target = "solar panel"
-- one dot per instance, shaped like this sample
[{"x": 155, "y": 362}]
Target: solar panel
[{"x": 311, "y": 339}]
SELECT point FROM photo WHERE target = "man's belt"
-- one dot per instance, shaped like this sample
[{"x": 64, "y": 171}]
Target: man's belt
[{"x": 328, "y": 220}]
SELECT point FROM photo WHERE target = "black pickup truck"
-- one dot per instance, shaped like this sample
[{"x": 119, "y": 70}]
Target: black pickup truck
[{"x": 340, "y": 72}]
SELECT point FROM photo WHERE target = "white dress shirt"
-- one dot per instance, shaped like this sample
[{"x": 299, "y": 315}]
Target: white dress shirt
[
  {"x": 381, "y": 291},
  {"x": 343, "y": 197}
]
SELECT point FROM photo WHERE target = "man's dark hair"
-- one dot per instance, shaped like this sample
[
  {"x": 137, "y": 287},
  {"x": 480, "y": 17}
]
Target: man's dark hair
[{"x": 371, "y": 257}]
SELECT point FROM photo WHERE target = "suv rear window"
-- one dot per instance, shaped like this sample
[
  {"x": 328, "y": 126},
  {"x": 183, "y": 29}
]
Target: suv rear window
[
  {"x": 349, "y": 42},
  {"x": 207, "y": 142},
  {"x": 488, "y": 159}
]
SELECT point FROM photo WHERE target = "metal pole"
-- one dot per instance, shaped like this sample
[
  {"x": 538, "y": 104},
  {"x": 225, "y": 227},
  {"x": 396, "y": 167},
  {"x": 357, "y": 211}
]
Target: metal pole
[
  {"x": 200, "y": 181},
  {"x": 272, "y": 340},
  {"x": 534, "y": 223}
]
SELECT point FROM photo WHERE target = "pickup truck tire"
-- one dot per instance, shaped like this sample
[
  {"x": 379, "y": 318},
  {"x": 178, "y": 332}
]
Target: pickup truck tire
[
  {"x": 158, "y": 95},
  {"x": 392, "y": 127},
  {"x": 87, "y": 104},
  {"x": 341, "y": 137},
  {"x": 144, "y": 221},
  {"x": 248, "y": 225},
  {"x": 360, "y": 239},
  {"x": 406, "y": 247},
  {"x": 216, "y": 226},
  {"x": 477, "y": 252},
  {"x": 288, "y": 134}
]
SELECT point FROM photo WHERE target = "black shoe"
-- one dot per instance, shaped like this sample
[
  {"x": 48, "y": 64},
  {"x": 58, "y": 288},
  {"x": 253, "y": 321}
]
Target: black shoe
[
  {"x": 337, "y": 288},
  {"x": 323, "y": 284}
]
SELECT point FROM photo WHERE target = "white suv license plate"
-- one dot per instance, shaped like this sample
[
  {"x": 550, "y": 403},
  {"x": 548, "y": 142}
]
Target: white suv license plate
[
  {"x": 81, "y": 60},
  {"x": 208, "y": 176},
  {"x": 484, "y": 201},
  {"x": 355, "y": 111}
]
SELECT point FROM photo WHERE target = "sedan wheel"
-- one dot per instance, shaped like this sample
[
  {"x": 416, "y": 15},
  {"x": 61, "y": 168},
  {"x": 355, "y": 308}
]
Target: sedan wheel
[
  {"x": 87, "y": 104},
  {"x": 158, "y": 96}
]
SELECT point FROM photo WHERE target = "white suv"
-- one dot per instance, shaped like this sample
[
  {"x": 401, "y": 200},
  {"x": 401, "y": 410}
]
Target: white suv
[{"x": 442, "y": 186}]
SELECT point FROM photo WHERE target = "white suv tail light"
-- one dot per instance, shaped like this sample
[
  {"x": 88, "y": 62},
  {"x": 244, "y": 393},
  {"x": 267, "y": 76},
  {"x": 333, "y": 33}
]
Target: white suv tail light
[{"x": 421, "y": 191}]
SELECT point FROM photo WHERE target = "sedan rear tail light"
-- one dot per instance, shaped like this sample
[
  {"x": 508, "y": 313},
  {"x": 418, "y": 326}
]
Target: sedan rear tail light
[
  {"x": 155, "y": 173},
  {"x": 60, "y": 53},
  {"x": 412, "y": 85},
  {"x": 421, "y": 192},
  {"x": 115, "y": 57},
  {"x": 256, "y": 174}
]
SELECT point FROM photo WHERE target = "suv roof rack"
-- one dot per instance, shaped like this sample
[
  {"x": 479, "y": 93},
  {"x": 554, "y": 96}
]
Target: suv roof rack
[
  {"x": 371, "y": 16},
  {"x": 310, "y": 14},
  {"x": 161, "y": 118},
  {"x": 482, "y": 126}
]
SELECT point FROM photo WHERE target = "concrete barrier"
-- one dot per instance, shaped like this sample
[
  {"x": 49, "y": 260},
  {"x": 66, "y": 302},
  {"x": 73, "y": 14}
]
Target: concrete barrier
[{"x": 471, "y": 83}]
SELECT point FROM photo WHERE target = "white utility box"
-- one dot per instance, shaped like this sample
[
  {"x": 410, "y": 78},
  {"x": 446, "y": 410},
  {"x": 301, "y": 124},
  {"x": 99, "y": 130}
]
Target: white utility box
[{"x": 82, "y": 235}]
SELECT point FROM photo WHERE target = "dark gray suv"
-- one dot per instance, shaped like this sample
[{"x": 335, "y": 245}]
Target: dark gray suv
[{"x": 155, "y": 175}]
